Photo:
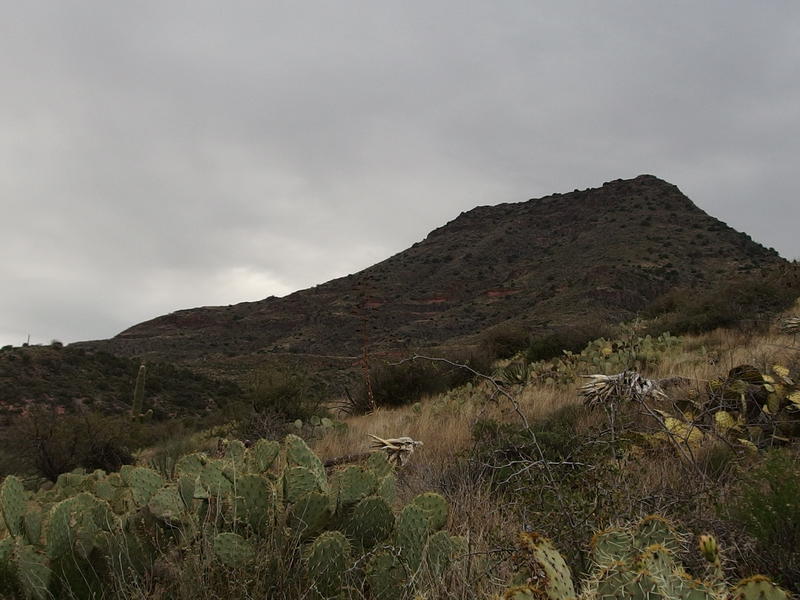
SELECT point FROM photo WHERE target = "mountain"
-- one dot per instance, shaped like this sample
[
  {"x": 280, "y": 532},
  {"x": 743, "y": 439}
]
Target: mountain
[{"x": 601, "y": 253}]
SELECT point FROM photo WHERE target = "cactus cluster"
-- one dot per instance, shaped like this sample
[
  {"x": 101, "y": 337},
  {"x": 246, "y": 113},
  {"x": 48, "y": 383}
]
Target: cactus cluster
[
  {"x": 630, "y": 563},
  {"x": 748, "y": 406},
  {"x": 88, "y": 526},
  {"x": 317, "y": 426},
  {"x": 599, "y": 356}
]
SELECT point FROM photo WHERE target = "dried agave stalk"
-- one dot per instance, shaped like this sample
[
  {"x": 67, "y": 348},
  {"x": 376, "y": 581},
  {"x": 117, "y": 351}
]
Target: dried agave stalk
[
  {"x": 602, "y": 390},
  {"x": 791, "y": 325},
  {"x": 399, "y": 450}
]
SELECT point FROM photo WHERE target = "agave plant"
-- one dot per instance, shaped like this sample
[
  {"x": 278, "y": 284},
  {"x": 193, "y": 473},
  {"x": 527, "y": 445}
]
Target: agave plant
[{"x": 602, "y": 390}]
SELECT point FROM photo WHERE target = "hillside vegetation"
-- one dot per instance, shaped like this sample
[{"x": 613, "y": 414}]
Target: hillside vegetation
[
  {"x": 512, "y": 450},
  {"x": 564, "y": 260},
  {"x": 592, "y": 395}
]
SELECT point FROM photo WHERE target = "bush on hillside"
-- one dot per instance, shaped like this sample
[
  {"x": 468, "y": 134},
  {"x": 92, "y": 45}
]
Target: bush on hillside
[
  {"x": 504, "y": 341},
  {"x": 766, "y": 504},
  {"x": 395, "y": 385},
  {"x": 47, "y": 444},
  {"x": 745, "y": 302},
  {"x": 573, "y": 338},
  {"x": 288, "y": 395}
]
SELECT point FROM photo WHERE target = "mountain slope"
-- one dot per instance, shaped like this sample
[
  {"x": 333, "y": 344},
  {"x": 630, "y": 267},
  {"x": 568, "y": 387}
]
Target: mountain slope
[
  {"x": 73, "y": 380},
  {"x": 604, "y": 252}
]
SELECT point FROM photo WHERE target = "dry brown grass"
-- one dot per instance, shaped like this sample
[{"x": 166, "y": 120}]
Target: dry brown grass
[
  {"x": 443, "y": 423},
  {"x": 647, "y": 480}
]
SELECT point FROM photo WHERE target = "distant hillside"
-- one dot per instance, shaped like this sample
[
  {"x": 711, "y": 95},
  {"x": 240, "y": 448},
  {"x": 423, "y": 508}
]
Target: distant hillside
[
  {"x": 598, "y": 253},
  {"x": 71, "y": 379}
]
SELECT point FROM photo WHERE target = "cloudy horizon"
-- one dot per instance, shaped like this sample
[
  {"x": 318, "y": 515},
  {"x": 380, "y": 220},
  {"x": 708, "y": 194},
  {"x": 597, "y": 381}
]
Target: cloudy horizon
[{"x": 164, "y": 155}]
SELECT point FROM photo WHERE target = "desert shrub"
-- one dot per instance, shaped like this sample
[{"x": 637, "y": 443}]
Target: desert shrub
[
  {"x": 506, "y": 456},
  {"x": 766, "y": 504},
  {"x": 408, "y": 382},
  {"x": 548, "y": 346},
  {"x": 556, "y": 436},
  {"x": 717, "y": 461},
  {"x": 573, "y": 338},
  {"x": 47, "y": 444},
  {"x": 290, "y": 395},
  {"x": 504, "y": 341},
  {"x": 397, "y": 385},
  {"x": 744, "y": 302},
  {"x": 264, "y": 424}
]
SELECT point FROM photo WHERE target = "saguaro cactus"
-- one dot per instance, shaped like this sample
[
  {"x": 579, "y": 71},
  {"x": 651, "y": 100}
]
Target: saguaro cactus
[{"x": 138, "y": 395}]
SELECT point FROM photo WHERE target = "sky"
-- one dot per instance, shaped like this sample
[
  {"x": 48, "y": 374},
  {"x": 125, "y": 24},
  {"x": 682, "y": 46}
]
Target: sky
[{"x": 163, "y": 155}]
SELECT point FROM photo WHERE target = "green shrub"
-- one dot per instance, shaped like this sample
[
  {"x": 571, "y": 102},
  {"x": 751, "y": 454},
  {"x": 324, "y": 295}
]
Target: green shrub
[
  {"x": 292, "y": 395},
  {"x": 766, "y": 504},
  {"x": 406, "y": 383},
  {"x": 504, "y": 341},
  {"x": 741, "y": 302},
  {"x": 47, "y": 443}
]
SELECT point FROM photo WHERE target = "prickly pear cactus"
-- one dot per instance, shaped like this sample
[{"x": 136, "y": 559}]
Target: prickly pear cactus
[
  {"x": 264, "y": 453},
  {"x": 351, "y": 484},
  {"x": 167, "y": 504},
  {"x": 626, "y": 571},
  {"x": 255, "y": 501},
  {"x": 370, "y": 522},
  {"x": 618, "y": 582},
  {"x": 12, "y": 504},
  {"x": 297, "y": 482},
  {"x": 190, "y": 465},
  {"x": 435, "y": 508},
  {"x": 235, "y": 453},
  {"x": 378, "y": 463},
  {"x": 143, "y": 483},
  {"x": 310, "y": 514},
  {"x": 214, "y": 481},
  {"x": 186, "y": 488},
  {"x": 413, "y": 527},
  {"x": 440, "y": 550},
  {"x": 32, "y": 571},
  {"x": 32, "y": 523},
  {"x": 70, "y": 538},
  {"x": 656, "y": 530},
  {"x": 540, "y": 565},
  {"x": 758, "y": 587},
  {"x": 299, "y": 454},
  {"x": 523, "y": 592},
  {"x": 386, "y": 577},
  {"x": 6, "y": 566},
  {"x": 611, "y": 546},
  {"x": 233, "y": 550},
  {"x": 387, "y": 487},
  {"x": 59, "y": 535},
  {"x": 327, "y": 562}
]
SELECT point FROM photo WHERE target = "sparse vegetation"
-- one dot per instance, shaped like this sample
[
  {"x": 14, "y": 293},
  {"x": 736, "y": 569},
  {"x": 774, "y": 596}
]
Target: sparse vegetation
[
  {"x": 261, "y": 486},
  {"x": 504, "y": 456}
]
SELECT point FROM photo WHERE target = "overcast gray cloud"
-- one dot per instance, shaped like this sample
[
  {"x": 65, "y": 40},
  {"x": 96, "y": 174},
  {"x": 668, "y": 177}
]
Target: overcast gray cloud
[{"x": 163, "y": 155}]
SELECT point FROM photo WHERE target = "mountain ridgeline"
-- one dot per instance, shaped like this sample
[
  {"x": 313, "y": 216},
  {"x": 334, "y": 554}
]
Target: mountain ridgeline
[{"x": 603, "y": 253}]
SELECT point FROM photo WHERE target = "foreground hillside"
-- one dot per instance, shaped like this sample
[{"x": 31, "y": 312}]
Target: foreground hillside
[
  {"x": 518, "y": 450},
  {"x": 596, "y": 254}
]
